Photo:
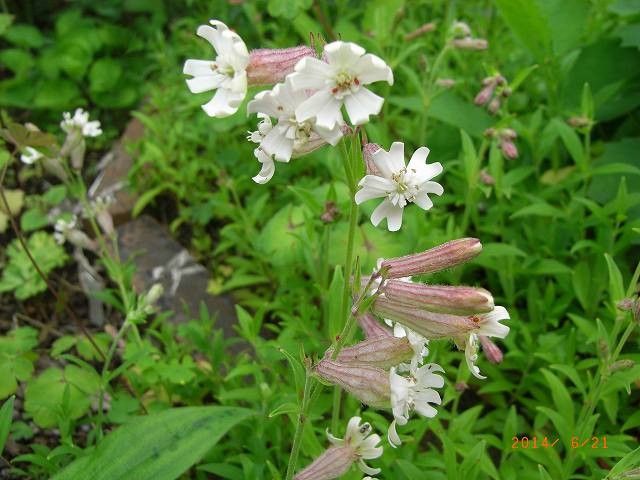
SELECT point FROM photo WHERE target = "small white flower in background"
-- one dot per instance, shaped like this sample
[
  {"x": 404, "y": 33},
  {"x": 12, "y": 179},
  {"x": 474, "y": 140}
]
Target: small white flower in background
[
  {"x": 488, "y": 325},
  {"x": 338, "y": 81},
  {"x": 80, "y": 123},
  {"x": 226, "y": 73},
  {"x": 399, "y": 184},
  {"x": 364, "y": 445},
  {"x": 415, "y": 392},
  {"x": 30, "y": 156},
  {"x": 288, "y": 137},
  {"x": 63, "y": 228}
]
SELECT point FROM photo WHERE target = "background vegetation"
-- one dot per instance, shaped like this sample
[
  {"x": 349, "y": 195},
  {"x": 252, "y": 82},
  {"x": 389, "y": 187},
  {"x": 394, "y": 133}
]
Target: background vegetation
[{"x": 560, "y": 226}]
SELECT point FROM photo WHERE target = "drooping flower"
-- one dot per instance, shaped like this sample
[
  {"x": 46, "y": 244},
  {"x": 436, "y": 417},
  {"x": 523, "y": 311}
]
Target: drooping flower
[
  {"x": 80, "y": 123},
  {"x": 288, "y": 137},
  {"x": 339, "y": 79},
  {"x": 418, "y": 344},
  {"x": 488, "y": 325},
  {"x": 234, "y": 68},
  {"x": 415, "y": 392},
  {"x": 30, "y": 155},
  {"x": 226, "y": 73},
  {"x": 399, "y": 183},
  {"x": 447, "y": 255},
  {"x": 357, "y": 446},
  {"x": 368, "y": 384},
  {"x": 381, "y": 351}
]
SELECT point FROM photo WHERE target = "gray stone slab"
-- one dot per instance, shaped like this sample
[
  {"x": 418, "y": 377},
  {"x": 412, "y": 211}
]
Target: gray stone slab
[{"x": 160, "y": 258}]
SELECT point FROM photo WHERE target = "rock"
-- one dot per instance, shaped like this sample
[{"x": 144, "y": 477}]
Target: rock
[
  {"x": 159, "y": 258},
  {"x": 112, "y": 177}
]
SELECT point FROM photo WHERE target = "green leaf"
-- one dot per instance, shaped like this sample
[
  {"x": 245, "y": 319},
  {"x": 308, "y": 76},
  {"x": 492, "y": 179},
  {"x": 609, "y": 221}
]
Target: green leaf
[
  {"x": 24, "y": 36},
  {"x": 16, "y": 358},
  {"x": 451, "y": 109},
  {"x": 57, "y": 94},
  {"x": 104, "y": 75},
  {"x": 544, "y": 475},
  {"x": 17, "y": 60},
  {"x": 616, "y": 286},
  {"x": 333, "y": 301},
  {"x": 6, "y": 417},
  {"x": 161, "y": 446},
  {"x": 20, "y": 276},
  {"x": 5, "y": 22},
  {"x": 526, "y": 20},
  {"x": 46, "y": 393},
  {"x": 561, "y": 396},
  {"x": 33, "y": 219},
  {"x": 470, "y": 160}
]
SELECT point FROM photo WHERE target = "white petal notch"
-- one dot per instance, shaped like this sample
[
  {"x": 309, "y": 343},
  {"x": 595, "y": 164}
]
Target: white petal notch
[{"x": 399, "y": 183}]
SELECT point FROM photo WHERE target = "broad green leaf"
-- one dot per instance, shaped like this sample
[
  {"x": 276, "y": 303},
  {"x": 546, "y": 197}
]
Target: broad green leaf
[
  {"x": 160, "y": 446},
  {"x": 526, "y": 20},
  {"x": 544, "y": 475},
  {"x": 6, "y": 417},
  {"x": 450, "y": 108},
  {"x": 561, "y": 396}
]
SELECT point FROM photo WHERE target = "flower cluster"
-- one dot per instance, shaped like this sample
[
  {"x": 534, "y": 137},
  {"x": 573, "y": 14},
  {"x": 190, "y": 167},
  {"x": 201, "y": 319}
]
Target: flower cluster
[
  {"x": 315, "y": 101},
  {"x": 494, "y": 90}
]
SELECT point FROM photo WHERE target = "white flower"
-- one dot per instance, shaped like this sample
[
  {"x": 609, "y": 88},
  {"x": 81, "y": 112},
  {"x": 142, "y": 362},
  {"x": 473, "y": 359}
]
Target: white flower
[
  {"x": 30, "y": 156},
  {"x": 268, "y": 166},
  {"x": 363, "y": 444},
  {"x": 340, "y": 80},
  {"x": 399, "y": 184},
  {"x": 490, "y": 326},
  {"x": 415, "y": 392},
  {"x": 63, "y": 228},
  {"x": 80, "y": 123},
  {"x": 289, "y": 137},
  {"x": 418, "y": 344},
  {"x": 226, "y": 73}
]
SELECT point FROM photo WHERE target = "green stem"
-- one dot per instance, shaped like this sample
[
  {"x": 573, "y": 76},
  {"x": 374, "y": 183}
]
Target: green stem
[{"x": 297, "y": 438}]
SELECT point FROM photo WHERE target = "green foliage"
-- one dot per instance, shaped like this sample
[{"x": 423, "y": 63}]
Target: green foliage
[
  {"x": 159, "y": 446},
  {"x": 59, "y": 395},
  {"x": 20, "y": 276},
  {"x": 6, "y": 414},
  {"x": 559, "y": 224},
  {"x": 16, "y": 358}
]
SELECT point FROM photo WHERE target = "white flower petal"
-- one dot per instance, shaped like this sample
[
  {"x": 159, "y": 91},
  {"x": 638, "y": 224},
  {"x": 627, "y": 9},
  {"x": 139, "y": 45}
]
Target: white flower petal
[
  {"x": 204, "y": 83},
  {"x": 371, "y": 68},
  {"x": 367, "y": 469},
  {"x": 392, "y": 435},
  {"x": 277, "y": 144},
  {"x": 197, "y": 68},
  {"x": 310, "y": 74},
  {"x": 419, "y": 158},
  {"x": 373, "y": 187},
  {"x": 223, "y": 103},
  {"x": 341, "y": 53},
  {"x": 391, "y": 212},
  {"x": 361, "y": 105},
  {"x": 268, "y": 167},
  {"x": 324, "y": 107}
]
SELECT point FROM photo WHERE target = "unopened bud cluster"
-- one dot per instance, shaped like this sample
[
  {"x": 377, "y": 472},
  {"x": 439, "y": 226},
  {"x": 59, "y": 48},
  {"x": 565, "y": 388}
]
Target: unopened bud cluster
[
  {"x": 462, "y": 39},
  {"x": 506, "y": 139},
  {"x": 494, "y": 90}
]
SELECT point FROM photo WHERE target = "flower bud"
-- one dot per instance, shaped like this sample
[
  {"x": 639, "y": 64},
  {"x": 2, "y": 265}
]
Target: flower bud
[
  {"x": 445, "y": 82},
  {"x": 624, "y": 364},
  {"x": 428, "y": 324},
  {"x": 460, "y": 29},
  {"x": 425, "y": 28},
  {"x": 469, "y": 43},
  {"x": 509, "y": 149},
  {"x": 369, "y": 384},
  {"x": 367, "y": 154},
  {"x": 439, "y": 298},
  {"x": 333, "y": 463},
  {"x": 435, "y": 259},
  {"x": 372, "y": 327},
  {"x": 485, "y": 94},
  {"x": 494, "y": 106},
  {"x": 490, "y": 349},
  {"x": 80, "y": 239},
  {"x": 268, "y": 66},
  {"x": 381, "y": 351},
  {"x": 487, "y": 179}
]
